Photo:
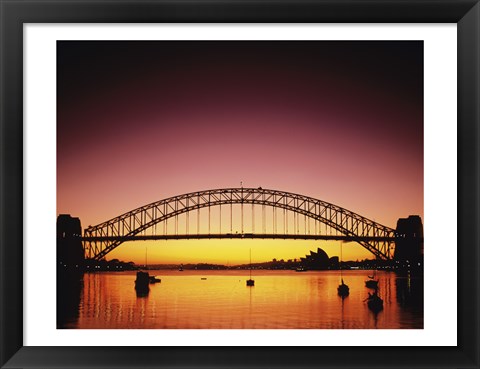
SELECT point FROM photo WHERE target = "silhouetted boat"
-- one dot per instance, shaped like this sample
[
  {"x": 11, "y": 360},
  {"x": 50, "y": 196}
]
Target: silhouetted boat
[
  {"x": 372, "y": 282},
  {"x": 250, "y": 282},
  {"x": 152, "y": 279},
  {"x": 342, "y": 288},
  {"x": 142, "y": 282},
  {"x": 374, "y": 302},
  {"x": 181, "y": 268}
]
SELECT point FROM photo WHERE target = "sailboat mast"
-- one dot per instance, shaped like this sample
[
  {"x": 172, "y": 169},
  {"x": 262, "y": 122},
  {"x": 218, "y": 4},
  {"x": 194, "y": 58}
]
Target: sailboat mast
[
  {"x": 250, "y": 263},
  {"x": 341, "y": 258}
]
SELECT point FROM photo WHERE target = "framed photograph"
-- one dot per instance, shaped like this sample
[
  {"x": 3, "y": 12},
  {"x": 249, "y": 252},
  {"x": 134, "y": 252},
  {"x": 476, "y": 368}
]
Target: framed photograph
[{"x": 239, "y": 184}]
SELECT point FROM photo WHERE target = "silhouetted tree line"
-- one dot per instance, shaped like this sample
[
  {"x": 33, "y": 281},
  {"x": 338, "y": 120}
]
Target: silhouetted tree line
[{"x": 113, "y": 265}]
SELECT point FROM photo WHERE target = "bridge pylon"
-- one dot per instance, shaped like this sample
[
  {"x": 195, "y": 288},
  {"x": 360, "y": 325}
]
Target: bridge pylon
[
  {"x": 409, "y": 242},
  {"x": 70, "y": 253}
]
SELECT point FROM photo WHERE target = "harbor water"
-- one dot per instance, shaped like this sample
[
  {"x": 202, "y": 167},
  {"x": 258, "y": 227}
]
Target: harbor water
[{"x": 220, "y": 299}]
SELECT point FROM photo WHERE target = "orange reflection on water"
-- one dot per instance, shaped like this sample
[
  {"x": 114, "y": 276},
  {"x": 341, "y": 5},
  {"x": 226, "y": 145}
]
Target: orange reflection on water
[{"x": 279, "y": 299}]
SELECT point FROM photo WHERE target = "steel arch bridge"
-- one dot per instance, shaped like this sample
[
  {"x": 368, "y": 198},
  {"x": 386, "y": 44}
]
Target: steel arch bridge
[{"x": 99, "y": 240}]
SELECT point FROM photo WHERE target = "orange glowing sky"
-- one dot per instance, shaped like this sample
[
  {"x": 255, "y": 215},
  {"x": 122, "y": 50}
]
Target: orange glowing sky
[{"x": 141, "y": 121}]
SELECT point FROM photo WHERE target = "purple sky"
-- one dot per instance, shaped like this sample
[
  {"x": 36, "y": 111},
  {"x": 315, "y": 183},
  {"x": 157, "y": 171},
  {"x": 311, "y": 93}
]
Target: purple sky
[{"x": 142, "y": 121}]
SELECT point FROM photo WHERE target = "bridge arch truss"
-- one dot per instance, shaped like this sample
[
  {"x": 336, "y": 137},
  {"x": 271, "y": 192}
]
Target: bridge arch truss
[{"x": 99, "y": 240}]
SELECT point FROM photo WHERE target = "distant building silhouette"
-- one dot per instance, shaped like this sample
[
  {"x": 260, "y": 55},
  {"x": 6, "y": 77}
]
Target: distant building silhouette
[
  {"x": 316, "y": 260},
  {"x": 334, "y": 263}
]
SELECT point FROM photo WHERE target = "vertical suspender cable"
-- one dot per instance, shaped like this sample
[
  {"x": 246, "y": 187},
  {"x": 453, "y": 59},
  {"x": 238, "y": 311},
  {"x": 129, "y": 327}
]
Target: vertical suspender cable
[
  {"x": 242, "y": 208},
  {"x": 274, "y": 220},
  {"x": 305, "y": 223},
  {"x": 253, "y": 218}
]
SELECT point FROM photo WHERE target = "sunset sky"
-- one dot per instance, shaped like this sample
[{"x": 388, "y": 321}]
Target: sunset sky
[{"x": 142, "y": 121}]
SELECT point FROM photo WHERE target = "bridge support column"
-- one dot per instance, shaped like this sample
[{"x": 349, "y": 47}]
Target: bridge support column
[
  {"x": 409, "y": 243},
  {"x": 70, "y": 269},
  {"x": 70, "y": 255}
]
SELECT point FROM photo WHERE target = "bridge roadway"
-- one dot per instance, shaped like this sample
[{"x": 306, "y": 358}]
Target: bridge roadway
[{"x": 235, "y": 236}]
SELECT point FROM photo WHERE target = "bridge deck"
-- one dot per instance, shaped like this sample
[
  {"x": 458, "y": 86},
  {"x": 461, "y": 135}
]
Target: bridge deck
[{"x": 237, "y": 236}]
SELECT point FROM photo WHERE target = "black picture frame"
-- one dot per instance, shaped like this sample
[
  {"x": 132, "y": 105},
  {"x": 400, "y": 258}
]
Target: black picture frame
[{"x": 15, "y": 13}]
